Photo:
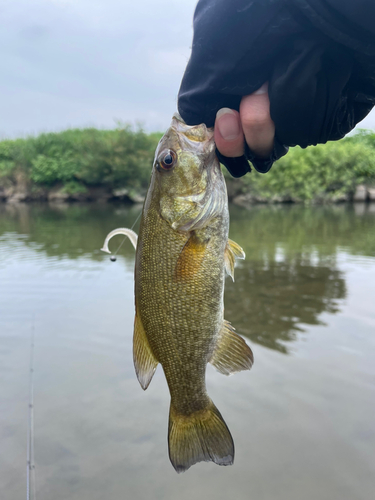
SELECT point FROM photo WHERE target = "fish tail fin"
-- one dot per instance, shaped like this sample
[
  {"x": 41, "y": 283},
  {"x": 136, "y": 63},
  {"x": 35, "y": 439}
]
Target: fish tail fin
[{"x": 201, "y": 436}]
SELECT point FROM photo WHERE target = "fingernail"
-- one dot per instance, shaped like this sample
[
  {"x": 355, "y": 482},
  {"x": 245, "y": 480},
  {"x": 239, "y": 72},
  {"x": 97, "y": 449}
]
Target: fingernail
[
  {"x": 262, "y": 90},
  {"x": 227, "y": 123}
]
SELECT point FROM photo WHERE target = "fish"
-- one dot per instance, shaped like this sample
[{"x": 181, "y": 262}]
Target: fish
[{"x": 182, "y": 254}]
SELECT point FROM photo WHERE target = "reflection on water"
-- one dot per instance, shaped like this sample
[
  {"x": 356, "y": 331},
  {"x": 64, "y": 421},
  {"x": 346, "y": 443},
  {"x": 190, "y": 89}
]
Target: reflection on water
[
  {"x": 272, "y": 300},
  {"x": 303, "y": 423},
  {"x": 290, "y": 275},
  {"x": 66, "y": 231}
]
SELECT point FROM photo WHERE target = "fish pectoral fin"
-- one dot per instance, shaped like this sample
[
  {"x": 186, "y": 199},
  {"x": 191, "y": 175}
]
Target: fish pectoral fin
[
  {"x": 133, "y": 237},
  {"x": 232, "y": 252},
  {"x": 231, "y": 353},
  {"x": 190, "y": 258},
  {"x": 145, "y": 362}
]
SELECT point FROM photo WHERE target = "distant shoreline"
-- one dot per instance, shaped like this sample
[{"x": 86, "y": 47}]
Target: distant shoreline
[
  {"x": 115, "y": 165},
  {"x": 57, "y": 195}
]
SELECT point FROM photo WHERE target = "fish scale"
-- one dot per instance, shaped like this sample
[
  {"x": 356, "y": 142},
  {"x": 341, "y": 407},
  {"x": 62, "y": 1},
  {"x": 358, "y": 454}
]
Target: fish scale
[{"x": 182, "y": 254}]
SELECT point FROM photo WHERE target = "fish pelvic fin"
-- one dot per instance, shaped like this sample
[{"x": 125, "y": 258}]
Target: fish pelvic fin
[
  {"x": 133, "y": 237},
  {"x": 202, "y": 436},
  {"x": 232, "y": 252},
  {"x": 231, "y": 353},
  {"x": 145, "y": 362}
]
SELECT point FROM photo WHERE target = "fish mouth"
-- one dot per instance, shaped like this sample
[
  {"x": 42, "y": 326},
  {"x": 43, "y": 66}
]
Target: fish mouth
[
  {"x": 196, "y": 133},
  {"x": 178, "y": 117}
]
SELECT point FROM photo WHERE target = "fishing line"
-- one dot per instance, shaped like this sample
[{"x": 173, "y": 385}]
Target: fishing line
[
  {"x": 113, "y": 257},
  {"x": 30, "y": 461}
]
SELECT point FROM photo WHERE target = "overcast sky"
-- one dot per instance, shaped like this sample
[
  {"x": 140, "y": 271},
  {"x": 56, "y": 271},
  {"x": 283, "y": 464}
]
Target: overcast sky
[{"x": 76, "y": 63}]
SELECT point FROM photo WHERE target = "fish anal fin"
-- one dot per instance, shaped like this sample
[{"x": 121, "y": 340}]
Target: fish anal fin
[
  {"x": 191, "y": 258},
  {"x": 202, "y": 436},
  {"x": 231, "y": 353},
  {"x": 232, "y": 252},
  {"x": 145, "y": 362}
]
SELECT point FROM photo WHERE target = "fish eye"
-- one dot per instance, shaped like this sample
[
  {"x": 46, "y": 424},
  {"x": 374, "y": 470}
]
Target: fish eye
[{"x": 167, "y": 159}]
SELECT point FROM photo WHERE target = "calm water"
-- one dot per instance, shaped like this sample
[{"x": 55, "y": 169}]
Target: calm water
[{"x": 303, "y": 419}]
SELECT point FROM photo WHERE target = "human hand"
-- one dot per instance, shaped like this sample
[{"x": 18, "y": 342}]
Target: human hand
[
  {"x": 319, "y": 87},
  {"x": 252, "y": 124}
]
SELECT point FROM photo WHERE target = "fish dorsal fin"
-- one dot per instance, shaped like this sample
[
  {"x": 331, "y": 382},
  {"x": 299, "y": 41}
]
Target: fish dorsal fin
[
  {"x": 231, "y": 353},
  {"x": 191, "y": 257},
  {"x": 145, "y": 362},
  {"x": 232, "y": 252}
]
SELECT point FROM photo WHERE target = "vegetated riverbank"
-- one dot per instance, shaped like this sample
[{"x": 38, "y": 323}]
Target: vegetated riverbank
[{"x": 110, "y": 165}]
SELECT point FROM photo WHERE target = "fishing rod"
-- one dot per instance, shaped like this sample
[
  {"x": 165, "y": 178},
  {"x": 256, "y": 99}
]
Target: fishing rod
[{"x": 30, "y": 461}]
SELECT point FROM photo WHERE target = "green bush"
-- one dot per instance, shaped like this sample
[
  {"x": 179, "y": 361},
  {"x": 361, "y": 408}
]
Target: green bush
[
  {"x": 113, "y": 158},
  {"x": 14, "y": 156},
  {"x": 122, "y": 158},
  {"x": 50, "y": 169},
  {"x": 323, "y": 172},
  {"x": 74, "y": 187},
  {"x": 118, "y": 158}
]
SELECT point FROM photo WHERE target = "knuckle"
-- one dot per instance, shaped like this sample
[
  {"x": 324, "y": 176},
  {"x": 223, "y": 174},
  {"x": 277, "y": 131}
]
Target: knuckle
[{"x": 256, "y": 121}]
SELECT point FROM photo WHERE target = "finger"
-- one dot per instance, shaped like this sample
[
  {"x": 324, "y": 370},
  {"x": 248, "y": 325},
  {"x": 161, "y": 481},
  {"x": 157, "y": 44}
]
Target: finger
[
  {"x": 257, "y": 125},
  {"x": 229, "y": 137}
]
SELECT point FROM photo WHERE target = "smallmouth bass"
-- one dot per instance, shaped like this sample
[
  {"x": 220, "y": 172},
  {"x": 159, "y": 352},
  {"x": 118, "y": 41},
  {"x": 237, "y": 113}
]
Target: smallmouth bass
[{"x": 182, "y": 254}]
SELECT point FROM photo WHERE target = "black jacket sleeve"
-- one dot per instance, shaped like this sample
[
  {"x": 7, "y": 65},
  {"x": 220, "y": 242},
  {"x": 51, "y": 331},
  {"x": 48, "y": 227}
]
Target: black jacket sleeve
[{"x": 317, "y": 55}]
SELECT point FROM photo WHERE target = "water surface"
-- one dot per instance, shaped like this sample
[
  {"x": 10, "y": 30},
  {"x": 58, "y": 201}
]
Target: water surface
[{"x": 302, "y": 419}]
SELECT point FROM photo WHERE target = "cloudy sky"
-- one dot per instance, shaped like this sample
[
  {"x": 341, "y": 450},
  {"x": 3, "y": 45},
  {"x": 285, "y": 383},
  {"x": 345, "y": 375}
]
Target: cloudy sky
[{"x": 76, "y": 63}]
